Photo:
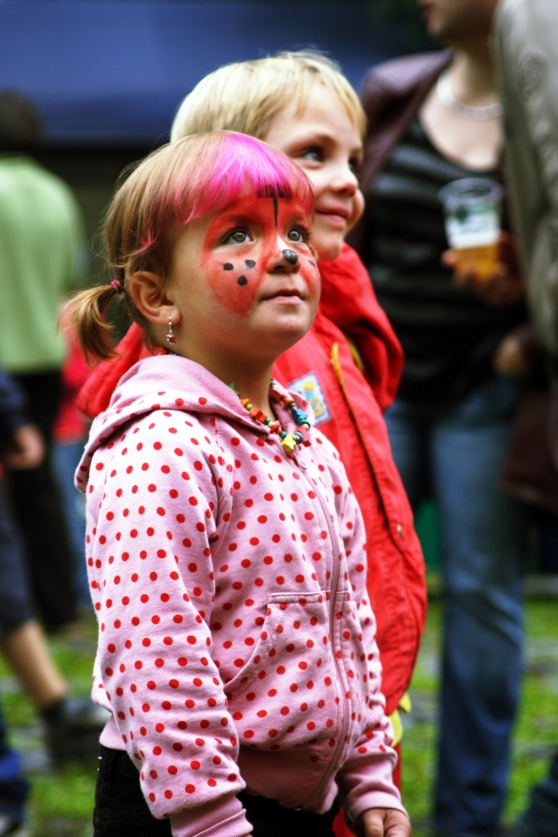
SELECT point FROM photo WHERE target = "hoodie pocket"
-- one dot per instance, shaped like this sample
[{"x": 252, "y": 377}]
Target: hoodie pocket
[{"x": 289, "y": 690}]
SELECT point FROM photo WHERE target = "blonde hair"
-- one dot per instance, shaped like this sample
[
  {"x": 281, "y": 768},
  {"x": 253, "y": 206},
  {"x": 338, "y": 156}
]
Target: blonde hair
[
  {"x": 248, "y": 96},
  {"x": 172, "y": 187}
]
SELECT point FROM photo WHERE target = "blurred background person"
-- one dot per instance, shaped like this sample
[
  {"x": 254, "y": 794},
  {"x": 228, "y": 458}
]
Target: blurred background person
[
  {"x": 527, "y": 58},
  {"x": 41, "y": 248},
  {"x": 72, "y": 727},
  {"x": 70, "y": 434},
  {"x": 433, "y": 119}
]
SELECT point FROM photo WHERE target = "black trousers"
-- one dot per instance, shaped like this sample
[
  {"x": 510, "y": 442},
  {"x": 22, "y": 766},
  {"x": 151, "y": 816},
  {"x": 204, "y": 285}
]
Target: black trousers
[
  {"x": 39, "y": 514},
  {"x": 121, "y": 810}
]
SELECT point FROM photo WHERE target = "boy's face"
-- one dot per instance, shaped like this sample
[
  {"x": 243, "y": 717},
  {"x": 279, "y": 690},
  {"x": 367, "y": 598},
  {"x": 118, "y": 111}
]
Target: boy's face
[{"x": 324, "y": 142}]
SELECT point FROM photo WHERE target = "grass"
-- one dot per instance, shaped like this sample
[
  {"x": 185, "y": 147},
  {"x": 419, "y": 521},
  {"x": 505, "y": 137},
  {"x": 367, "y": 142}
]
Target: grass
[
  {"x": 536, "y": 729},
  {"x": 61, "y": 803}
]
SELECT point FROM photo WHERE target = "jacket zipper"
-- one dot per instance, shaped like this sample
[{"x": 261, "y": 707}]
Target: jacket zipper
[{"x": 334, "y": 586}]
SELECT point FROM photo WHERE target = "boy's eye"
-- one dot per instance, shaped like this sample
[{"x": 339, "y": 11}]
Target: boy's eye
[
  {"x": 315, "y": 155},
  {"x": 298, "y": 234},
  {"x": 238, "y": 237},
  {"x": 354, "y": 164}
]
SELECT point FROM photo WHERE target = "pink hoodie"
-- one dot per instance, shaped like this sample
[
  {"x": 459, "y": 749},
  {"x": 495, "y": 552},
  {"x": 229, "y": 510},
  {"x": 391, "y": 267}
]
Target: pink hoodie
[{"x": 236, "y": 643}]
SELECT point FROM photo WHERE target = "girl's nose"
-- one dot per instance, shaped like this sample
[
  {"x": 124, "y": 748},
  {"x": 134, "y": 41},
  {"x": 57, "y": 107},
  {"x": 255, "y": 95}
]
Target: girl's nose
[{"x": 285, "y": 260}]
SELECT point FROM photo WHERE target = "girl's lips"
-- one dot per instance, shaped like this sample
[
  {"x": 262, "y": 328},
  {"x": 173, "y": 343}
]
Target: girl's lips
[{"x": 284, "y": 295}]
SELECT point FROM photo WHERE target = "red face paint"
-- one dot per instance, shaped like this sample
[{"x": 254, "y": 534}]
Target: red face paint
[{"x": 242, "y": 256}]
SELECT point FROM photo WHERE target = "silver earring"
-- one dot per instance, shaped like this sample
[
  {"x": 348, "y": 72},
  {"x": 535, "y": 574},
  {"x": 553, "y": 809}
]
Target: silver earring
[{"x": 170, "y": 335}]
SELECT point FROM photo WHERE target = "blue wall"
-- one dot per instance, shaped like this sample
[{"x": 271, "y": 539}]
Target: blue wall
[{"x": 113, "y": 73}]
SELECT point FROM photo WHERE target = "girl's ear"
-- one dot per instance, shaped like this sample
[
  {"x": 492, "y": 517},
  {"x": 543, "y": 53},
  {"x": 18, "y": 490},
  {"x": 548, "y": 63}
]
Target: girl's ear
[{"x": 148, "y": 292}]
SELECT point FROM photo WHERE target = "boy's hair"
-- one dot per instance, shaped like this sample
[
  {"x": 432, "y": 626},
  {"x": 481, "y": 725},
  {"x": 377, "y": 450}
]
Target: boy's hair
[
  {"x": 171, "y": 187},
  {"x": 248, "y": 96}
]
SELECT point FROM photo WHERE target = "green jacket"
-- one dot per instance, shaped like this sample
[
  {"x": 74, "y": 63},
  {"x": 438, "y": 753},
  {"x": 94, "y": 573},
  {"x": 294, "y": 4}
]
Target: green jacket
[{"x": 41, "y": 256}]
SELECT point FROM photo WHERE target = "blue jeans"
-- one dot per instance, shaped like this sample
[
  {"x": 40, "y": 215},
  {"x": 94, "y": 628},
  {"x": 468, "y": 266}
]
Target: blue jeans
[
  {"x": 65, "y": 459},
  {"x": 541, "y": 817},
  {"x": 15, "y": 611},
  {"x": 456, "y": 454}
]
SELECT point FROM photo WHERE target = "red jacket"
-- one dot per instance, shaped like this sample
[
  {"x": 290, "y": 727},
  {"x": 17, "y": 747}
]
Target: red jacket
[{"x": 346, "y": 403}]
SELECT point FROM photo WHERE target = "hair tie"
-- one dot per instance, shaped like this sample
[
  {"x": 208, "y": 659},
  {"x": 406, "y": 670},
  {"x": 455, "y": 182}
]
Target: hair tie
[{"x": 117, "y": 286}]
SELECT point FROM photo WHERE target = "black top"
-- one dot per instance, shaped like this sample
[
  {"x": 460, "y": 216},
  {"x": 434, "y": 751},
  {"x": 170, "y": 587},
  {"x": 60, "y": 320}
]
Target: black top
[{"x": 448, "y": 335}]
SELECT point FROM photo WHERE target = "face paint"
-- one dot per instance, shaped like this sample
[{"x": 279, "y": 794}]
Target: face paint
[
  {"x": 250, "y": 233},
  {"x": 290, "y": 256}
]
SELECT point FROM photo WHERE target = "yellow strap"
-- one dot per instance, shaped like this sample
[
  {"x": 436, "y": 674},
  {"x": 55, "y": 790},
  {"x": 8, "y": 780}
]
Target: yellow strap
[
  {"x": 405, "y": 703},
  {"x": 355, "y": 353},
  {"x": 395, "y": 718}
]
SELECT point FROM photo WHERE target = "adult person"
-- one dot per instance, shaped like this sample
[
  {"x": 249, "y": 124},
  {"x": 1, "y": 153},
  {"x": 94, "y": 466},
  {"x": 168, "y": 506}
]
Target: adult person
[
  {"x": 40, "y": 248},
  {"x": 526, "y": 37},
  {"x": 433, "y": 119},
  {"x": 72, "y": 727}
]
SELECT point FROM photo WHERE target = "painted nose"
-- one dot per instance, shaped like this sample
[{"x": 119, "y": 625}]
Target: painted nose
[
  {"x": 285, "y": 260},
  {"x": 290, "y": 256}
]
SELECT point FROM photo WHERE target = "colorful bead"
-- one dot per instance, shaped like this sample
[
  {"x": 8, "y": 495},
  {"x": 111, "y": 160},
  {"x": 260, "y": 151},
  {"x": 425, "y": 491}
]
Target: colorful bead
[
  {"x": 299, "y": 416},
  {"x": 288, "y": 440},
  {"x": 257, "y": 414}
]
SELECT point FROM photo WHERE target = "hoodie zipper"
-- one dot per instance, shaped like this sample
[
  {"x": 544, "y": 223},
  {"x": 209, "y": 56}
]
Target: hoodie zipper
[{"x": 334, "y": 588}]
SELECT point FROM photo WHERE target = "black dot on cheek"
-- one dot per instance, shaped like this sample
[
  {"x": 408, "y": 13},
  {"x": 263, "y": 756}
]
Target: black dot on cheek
[
  {"x": 242, "y": 280},
  {"x": 250, "y": 263},
  {"x": 228, "y": 266},
  {"x": 311, "y": 262}
]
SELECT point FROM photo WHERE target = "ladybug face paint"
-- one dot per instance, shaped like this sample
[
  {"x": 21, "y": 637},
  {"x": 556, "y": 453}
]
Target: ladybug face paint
[
  {"x": 243, "y": 284},
  {"x": 256, "y": 248}
]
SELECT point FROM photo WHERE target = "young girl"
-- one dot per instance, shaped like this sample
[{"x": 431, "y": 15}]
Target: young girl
[
  {"x": 225, "y": 547},
  {"x": 301, "y": 104}
]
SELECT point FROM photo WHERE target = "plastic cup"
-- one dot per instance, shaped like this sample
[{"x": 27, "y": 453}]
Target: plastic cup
[{"x": 472, "y": 210}]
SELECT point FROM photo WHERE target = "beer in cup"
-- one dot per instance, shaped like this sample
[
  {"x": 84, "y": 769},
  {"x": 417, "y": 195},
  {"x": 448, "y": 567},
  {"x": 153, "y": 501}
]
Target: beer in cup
[{"x": 472, "y": 210}]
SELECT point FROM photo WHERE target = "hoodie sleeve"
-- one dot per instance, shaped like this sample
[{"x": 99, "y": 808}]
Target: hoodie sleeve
[
  {"x": 154, "y": 500},
  {"x": 365, "y": 780}
]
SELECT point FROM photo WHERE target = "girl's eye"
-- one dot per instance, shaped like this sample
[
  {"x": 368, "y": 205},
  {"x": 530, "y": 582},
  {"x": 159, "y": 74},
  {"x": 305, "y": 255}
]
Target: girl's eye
[
  {"x": 298, "y": 234},
  {"x": 238, "y": 237}
]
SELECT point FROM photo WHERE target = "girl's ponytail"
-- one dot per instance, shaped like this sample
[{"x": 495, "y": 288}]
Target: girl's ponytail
[{"x": 86, "y": 314}]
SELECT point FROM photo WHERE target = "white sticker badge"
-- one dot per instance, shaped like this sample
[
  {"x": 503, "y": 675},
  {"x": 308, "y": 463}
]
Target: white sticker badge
[{"x": 308, "y": 387}]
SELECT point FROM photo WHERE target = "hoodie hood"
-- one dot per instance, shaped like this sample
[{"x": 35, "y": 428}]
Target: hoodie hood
[
  {"x": 349, "y": 301},
  {"x": 151, "y": 384}
]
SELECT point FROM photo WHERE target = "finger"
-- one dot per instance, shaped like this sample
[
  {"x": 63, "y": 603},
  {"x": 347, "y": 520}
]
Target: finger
[
  {"x": 373, "y": 823},
  {"x": 397, "y": 824}
]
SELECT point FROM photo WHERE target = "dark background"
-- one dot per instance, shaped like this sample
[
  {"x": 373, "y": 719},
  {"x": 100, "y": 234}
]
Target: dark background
[{"x": 108, "y": 75}]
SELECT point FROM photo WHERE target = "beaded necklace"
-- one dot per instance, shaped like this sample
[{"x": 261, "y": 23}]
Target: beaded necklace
[{"x": 288, "y": 440}]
